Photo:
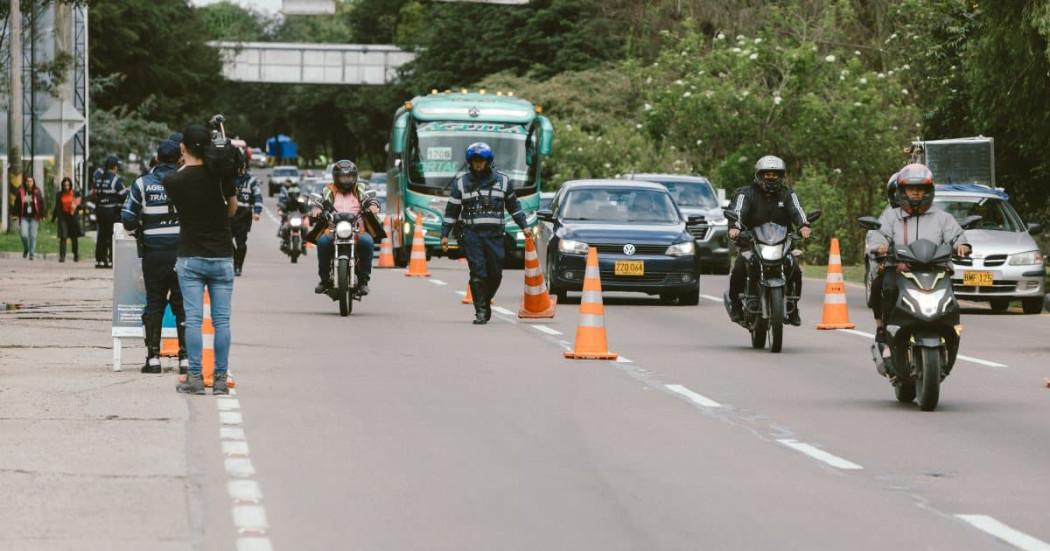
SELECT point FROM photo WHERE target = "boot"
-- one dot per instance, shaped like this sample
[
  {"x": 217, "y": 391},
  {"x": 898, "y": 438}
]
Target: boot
[
  {"x": 492, "y": 285},
  {"x": 238, "y": 260},
  {"x": 736, "y": 312},
  {"x": 184, "y": 357},
  {"x": 151, "y": 328},
  {"x": 194, "y": 384},
  {"x": 362, "y": 286},
  {"x": 794, "y": 318},
  {"x": 482, "y": 310},
  {"x": 219, "y": 385}
]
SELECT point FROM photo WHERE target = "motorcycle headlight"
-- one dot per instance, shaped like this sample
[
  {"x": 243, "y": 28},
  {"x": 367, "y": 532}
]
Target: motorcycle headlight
[
  {"x": 428, "y": 216},
  {"x": 684, "y": 248},
  {"x": 570, "y": 246},
  {"x": 771, "y": 252},
  {"x": 929, "y": 303},
  {"x": 1026, "y": 258},
  {"x": 344, "y": 230},
  {"x": 295, "y": 222}
]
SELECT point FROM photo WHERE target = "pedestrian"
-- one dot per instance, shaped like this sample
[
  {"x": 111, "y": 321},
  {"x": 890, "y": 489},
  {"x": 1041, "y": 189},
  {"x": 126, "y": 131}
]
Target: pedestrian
[
  {"x": 249, "y": 208},
  {"x": 109, "y": 196},
  {"x": 205, "y": 203},
  {"x": 65, "y": 214},
  {"x": 149, "y": 214},
  {"x": 29, "y": 206},
  {"x": 477, "y": 201}
]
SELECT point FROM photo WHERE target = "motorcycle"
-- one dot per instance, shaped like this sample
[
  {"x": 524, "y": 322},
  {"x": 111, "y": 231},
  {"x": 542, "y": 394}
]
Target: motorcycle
[
  {"x": 922, "y": 330},
  {"x": 292, "y": 234},
  {"x": 344, "y": 261},
  {"x": 771, "y": 259}
]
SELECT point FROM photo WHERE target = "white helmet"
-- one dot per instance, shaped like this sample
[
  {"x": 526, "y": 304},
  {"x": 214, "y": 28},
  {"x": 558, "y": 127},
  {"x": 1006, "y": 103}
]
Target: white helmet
[{"x": 770, "y": 163}]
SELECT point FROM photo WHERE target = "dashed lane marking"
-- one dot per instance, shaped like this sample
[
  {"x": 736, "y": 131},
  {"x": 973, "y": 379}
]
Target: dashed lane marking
[
  {"x": 437, "y": 282},
  {"x": 711, "y": 298},
  {"x": 1003, "y": 532},
  {"x": 978, "y": 361},
  {"x": 503, "y": 311},
  {"x": 239, "y": 467},
  {"x": 228, "y": 404},
  {"x": 254, "y": 544},
  {"x": 250, "y": 519},
  {"x": 820, "y": 455},
  {"x": 235, "y": 448},
  {"x": 230, "y": 417},
  {"x": 547, "y": 330},
  {"x": 461, "y": 293},
  {"x": 694, "y": 397},
  {"x": 244, "y": 491}
]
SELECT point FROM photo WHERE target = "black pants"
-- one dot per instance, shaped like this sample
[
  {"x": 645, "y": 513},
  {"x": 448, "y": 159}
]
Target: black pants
[
  {"x": 106, "y": 217},
  {"x": 738, "y": 278},
  {"x": 68, "y": 228},
  {"x": 889, "y": 293},
  {"x": 240, "y": 226},
  {"x": 485, "y": 253},
  {"x": 162, "y": 285}
]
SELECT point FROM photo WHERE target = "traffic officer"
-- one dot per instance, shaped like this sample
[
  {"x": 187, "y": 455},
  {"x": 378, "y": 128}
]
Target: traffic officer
[
  {"x": 477, "y": 202},
  {"x": 108, "y": 195},
  {"x": 148, "y": 213},
  {"x": 249, "y": 207}
]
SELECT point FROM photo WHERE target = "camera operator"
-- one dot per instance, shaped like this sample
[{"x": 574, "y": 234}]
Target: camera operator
[{"x": 205, "y": 203}]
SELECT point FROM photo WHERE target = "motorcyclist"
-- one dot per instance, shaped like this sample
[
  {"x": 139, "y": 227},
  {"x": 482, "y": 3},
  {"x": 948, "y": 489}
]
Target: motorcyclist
[
  {"x": 291, "y": 206},
  {"x": 346, "y": 195},
  {"x": 287, "y": 188},
  {"x": 914, "y": 218},
  {"x": 766, "y": 200}
]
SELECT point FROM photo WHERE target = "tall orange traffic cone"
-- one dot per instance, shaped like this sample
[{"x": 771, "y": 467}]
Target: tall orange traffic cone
[
  {"x": 591, "y": 343},
  {"x": 417, "y": 265},
  {"x": 536, "y": 302},
  {"x": 836, "y": 313},
  {"x": 386, "y": 248}
]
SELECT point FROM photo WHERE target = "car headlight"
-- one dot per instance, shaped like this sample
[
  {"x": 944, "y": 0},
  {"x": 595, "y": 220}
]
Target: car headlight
[
  {"x": 684, "y": 248},
  {"x": 295, "y": 222},
  {"x": 1026, "y": 259},
  {"x": 428, "y": 216},
  {"x": 344, "y": 230},
  {"x": 570, "y": 246},
  {"x": 771, "y": 252},
  {"x": 719, "y": 222}
]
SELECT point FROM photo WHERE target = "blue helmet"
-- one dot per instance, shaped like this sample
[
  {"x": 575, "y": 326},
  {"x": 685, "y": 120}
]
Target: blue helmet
[{"x": 480, "y": 150}]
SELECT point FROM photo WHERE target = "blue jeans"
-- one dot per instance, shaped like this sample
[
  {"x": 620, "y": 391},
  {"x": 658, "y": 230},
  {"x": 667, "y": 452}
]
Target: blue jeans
[
  {"x": 28, "y": 228},
  {"x": 326, "y": 250},
  {"x": 216, "y": 274}
]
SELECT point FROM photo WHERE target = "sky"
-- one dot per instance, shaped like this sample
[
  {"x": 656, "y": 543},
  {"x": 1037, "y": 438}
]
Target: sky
[{"x": 270, "y": 6}]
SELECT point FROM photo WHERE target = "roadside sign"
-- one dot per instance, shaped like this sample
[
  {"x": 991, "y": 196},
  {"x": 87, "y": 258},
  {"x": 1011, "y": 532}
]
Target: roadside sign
[
  {"x": 129, "y": 291},
  {"x": 62, "y": 121}
]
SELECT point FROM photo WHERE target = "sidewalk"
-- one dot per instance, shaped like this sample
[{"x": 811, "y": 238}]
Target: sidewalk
[{"x": 89, "y": 458}]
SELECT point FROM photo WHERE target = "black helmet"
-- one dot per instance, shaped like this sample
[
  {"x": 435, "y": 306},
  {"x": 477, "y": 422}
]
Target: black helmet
[
  {"x": 891, "y": 191},
  {"x": 112, "y": 162},
  {"x": 915, "y": 175},
  {"x": 344, "y": 175},
  {"x": 770, "y": 163}
]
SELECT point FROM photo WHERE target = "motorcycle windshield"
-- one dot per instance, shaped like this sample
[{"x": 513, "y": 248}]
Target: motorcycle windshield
[{"x": 771, "y": 234}]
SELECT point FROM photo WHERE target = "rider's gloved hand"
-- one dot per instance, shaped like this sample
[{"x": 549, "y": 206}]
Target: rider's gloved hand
[
  {"x": 734, "y": 233},
  {"x": 805, "y": 232},
  {"x": 963, "y": 250}
]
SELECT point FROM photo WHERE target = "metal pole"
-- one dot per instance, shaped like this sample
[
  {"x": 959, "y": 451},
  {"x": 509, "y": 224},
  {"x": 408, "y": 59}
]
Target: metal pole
[{"x": 14, "y": 113}]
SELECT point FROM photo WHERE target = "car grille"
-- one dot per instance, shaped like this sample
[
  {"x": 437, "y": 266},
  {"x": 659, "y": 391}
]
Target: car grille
[
  {"x": 649, "y": 277},
  {"x": 700, "y": 230},
  {"x": 605, "y": 248},
  {"x": 990, "y": 261}
]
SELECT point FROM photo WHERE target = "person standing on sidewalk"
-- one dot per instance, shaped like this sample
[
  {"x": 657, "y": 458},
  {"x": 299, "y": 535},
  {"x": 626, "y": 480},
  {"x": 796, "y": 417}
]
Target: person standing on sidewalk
[
  {"x": 109, "y": 196},
  {"x": 29, "y": 206},
  {"x": 148, "y": 212},
  {"x": 67, "y": 205},
  {"x": 205, "y": 204},
  {"x": 249, "y": 208}
]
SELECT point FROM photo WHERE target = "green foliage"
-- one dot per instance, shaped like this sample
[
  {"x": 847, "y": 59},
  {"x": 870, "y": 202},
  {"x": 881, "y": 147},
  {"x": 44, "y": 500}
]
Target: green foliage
[{"x": 228, "y": 21}]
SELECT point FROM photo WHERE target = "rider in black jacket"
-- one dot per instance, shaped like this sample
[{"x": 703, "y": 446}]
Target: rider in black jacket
[{"x": 767, "y": 199}]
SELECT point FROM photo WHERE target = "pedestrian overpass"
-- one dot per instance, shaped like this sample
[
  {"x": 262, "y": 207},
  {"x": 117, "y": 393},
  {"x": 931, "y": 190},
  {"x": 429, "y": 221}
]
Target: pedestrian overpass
[{"x": 304, "y": 63}]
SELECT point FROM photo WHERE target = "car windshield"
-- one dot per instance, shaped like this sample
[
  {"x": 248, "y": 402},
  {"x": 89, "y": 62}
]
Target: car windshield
[
  {"x": 441, "y": 146},
  {"x": 995, "y": 213},
  {"x": 285, "y": 172},
  {"x": 619, "y": 205},
  {"x": 691, "y": 194}
]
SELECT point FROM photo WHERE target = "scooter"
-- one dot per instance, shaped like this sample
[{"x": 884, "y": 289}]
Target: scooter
[
  {"x": 922, "y": 330},
  {"x": 772, "y": 258}
]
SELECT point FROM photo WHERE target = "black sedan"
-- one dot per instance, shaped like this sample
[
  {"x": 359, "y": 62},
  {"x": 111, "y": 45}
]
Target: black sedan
[{"x": 642, "y": 242}]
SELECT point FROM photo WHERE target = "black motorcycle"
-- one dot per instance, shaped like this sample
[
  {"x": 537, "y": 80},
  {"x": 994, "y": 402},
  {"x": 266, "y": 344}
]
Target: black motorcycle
[
  {"x": 346, "y": 228},
  {"x": 292, "y": 233},
  {"x": 771, "y": 260},
  {"x": 922, "y": 330}
]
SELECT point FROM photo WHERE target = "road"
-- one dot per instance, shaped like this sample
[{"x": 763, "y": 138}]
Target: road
[{"x": 405, "y": 427}]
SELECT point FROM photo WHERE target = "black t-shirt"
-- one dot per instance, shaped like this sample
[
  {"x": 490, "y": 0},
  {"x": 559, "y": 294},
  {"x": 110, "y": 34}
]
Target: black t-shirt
[{"x": 200, "y": 199}]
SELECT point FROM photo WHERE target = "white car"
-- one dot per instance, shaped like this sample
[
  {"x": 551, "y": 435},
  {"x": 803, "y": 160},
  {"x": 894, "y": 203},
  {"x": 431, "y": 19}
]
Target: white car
[{"x": 281, "y": 175}]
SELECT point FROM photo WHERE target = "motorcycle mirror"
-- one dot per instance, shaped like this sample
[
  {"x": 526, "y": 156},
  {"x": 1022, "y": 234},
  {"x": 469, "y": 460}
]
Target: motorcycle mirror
[
  {"x": 370, "y": 194},
  {"x": 730, "y": 215},
  {"x": 814, "y": 216},
  {"x": 869, "y": 223},
  {"x": 971, "y": 221}
]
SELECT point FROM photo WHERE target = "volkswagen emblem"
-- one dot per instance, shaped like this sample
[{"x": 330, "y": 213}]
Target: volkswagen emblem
[
  {"x": 628, "y": 249},
  {"x": 474, "y": 112}
]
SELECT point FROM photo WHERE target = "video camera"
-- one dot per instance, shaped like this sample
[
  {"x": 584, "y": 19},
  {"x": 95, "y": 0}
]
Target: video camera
[{"x": 221, "y": 157}]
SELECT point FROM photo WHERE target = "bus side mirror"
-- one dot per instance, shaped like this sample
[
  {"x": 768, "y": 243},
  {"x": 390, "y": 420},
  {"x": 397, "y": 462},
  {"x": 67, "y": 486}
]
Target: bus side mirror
[{"x": 546, "y": 135}]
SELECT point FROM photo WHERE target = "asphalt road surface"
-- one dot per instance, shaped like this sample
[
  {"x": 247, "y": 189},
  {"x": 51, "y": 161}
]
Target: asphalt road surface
[{"x": 406, "y": 427}]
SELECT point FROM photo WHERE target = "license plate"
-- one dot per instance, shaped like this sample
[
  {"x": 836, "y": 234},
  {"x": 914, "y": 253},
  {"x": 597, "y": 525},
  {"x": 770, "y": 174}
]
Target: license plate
[
  {"x": 629, "y": 268},
  {"x": 977, "y": 279}
]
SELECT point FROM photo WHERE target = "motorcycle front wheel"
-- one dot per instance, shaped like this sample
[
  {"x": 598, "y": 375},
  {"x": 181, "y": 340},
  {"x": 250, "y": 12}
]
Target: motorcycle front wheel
[
  {"x": 343, "y": 285},
  {"x": 294, "y": 250},
  {"x": 776, "y": 319},
  {"x": 928, "y": 385},
  {"x": 758, "y": 334}
]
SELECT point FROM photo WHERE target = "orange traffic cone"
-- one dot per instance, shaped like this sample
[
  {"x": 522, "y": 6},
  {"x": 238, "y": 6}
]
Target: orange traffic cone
[
  {"x": 836, "y": 313},
  {"x": 468, "y": 298},
  {"x": 536, "y": 302},
  {"x": 386, "y": 248},
  {"x": 417, "y": 265},
  {"x": 591, "y": 343}
]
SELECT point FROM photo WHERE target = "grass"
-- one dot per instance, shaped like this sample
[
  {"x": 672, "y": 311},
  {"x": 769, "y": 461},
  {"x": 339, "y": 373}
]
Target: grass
[
  {"x": 46, "y": 242},
  {"x": 852, "y": 274}
]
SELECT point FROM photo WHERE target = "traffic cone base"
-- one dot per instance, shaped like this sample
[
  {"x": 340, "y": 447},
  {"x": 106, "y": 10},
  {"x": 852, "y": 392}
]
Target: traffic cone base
[
  {"x": 386, "y": 248},
  {"x": 547, "y": 313},
  {"x": 591, "y": 342},
  {"x": 536, "y": 301},
  {"x": 836, "y": 312}
]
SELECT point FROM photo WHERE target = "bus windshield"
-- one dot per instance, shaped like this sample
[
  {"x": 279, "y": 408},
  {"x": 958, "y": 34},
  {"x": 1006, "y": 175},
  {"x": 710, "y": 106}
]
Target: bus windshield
[{"x": 439, "y": 148}]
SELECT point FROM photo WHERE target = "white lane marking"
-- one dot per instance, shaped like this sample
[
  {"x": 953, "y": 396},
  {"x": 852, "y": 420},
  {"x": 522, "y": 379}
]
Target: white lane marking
[
  {"x": 461, "y": 293},
  {"x": 230, "y": 417},
  {"x": 977, "y": 361},
  {"x": 1003, "y": 532},
  {"x": 819, "y": 454},
  {"x": 235, "y": 448},
  {"x": 231, "y": 433},
  {"x": 503, "y": 311},
  {"x": 254, "y": 544},
  {"x": 227, "y": 404},
  {"x": 239, "y": 467},
  {"x": 711, "y": 298},
  {"x": 698, "y": 399},
  {"x": 547, "y": 330},
  {"x": 623, "y": 360},
  {"x": 250, "y": 518},
  {"x": 244, "y": 491},
  {"x": 272, "y": 216},
  {"x": 437, "y": 282}
]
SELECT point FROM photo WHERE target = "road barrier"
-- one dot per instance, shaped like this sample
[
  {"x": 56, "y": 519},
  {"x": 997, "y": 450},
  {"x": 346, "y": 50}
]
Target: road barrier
[
  {"x": 386, "y": 248},
  {"x": 417, "y": 265},
  {"x": 536, "y": 302},
  {"x": 836, "y": 312},
  {"x": 591, "y": 342}
]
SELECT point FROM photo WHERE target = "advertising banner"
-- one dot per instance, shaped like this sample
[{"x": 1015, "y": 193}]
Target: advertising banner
[{"x": 129, "y": 290}]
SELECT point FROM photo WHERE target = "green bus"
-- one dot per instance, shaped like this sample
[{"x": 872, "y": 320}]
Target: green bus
[{"x": 428, "y": 140}]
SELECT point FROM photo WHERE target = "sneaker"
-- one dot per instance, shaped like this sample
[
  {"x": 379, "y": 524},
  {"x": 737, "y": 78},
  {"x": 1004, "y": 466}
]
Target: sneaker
[
  {"x": 219, "y": 386},
  {"x": 322, "y": 287},
  {"x": 152, "y": 365},
  {"x": 194, "y": 384},
  {"x": 362, "y": 289}
]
